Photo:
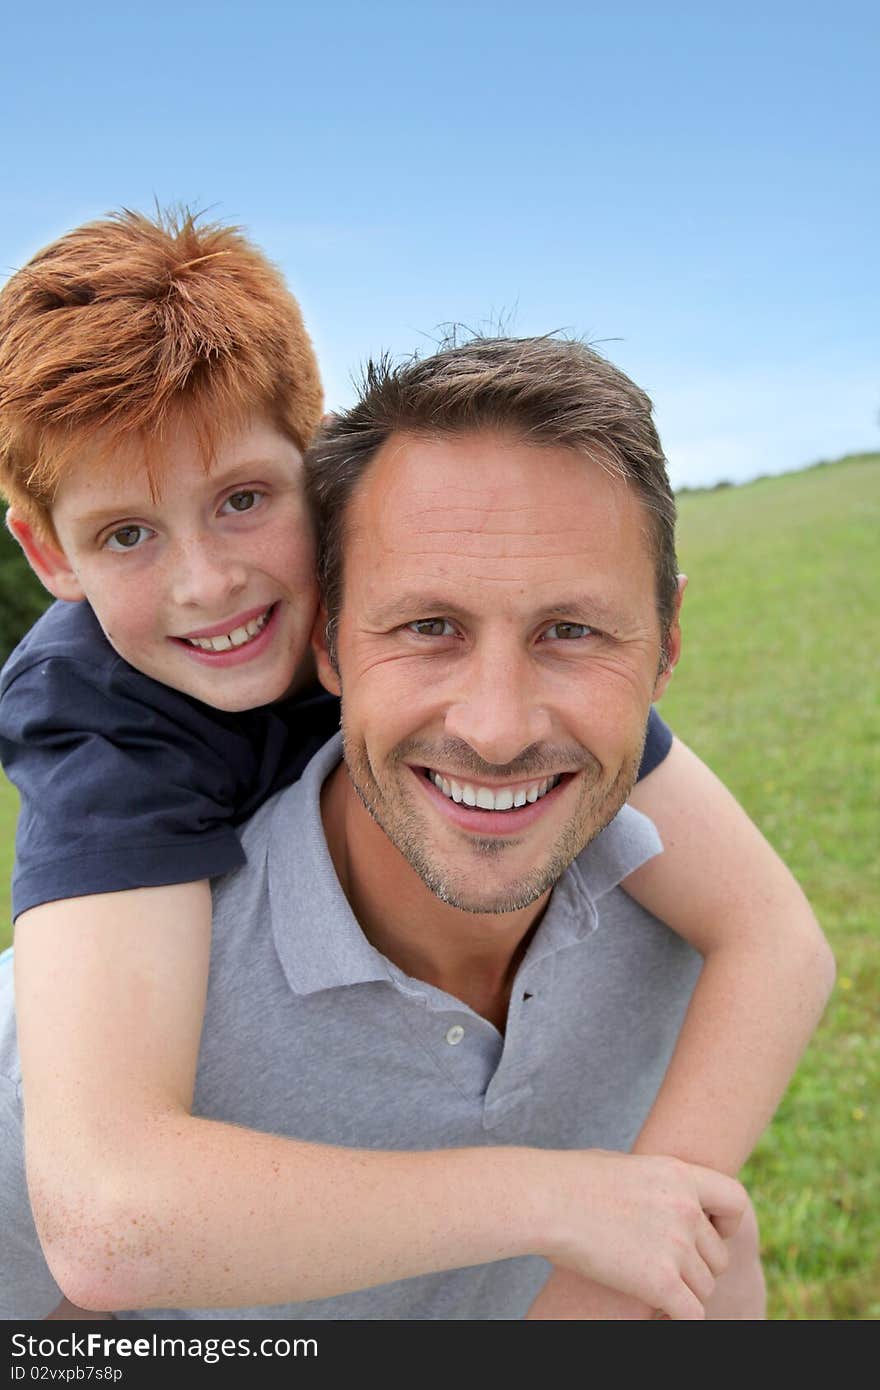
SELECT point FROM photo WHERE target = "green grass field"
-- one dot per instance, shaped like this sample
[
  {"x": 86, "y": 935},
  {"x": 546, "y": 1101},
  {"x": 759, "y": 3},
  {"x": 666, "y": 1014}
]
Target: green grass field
[{"x": 778, "y": 691}]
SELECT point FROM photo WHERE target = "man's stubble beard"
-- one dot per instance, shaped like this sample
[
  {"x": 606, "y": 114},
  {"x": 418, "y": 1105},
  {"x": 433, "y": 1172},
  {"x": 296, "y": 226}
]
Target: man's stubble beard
[{"x": 598, "y": 808}]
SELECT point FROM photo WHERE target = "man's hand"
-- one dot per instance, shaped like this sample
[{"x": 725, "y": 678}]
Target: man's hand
[{"x": 651, "y": 1228}]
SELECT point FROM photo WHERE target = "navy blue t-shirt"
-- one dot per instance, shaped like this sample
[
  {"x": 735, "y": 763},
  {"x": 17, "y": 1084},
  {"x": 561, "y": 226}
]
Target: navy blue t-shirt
[{"x": 126, "y": 783}]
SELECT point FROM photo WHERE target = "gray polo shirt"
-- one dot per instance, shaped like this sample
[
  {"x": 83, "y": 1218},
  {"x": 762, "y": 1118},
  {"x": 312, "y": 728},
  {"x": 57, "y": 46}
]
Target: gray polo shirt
[{"x": 311, "y": 1032}]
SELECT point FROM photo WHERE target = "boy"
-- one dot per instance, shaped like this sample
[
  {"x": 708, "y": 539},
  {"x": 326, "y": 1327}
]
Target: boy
[{"x": 156, "y": 392}]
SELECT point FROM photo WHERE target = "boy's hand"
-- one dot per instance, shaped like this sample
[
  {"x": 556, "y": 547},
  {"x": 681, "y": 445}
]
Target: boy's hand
[
  {"x": 568, "y": 1297},
  {"x": 652, "y": 1228}
]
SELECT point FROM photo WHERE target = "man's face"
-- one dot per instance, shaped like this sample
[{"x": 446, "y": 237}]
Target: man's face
[
  {"x": 208, "y": 588},
  {"x": 498, "y": 649}
]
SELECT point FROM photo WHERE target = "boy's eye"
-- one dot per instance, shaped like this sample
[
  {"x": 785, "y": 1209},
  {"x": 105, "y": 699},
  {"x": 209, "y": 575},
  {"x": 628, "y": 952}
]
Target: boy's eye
[
  {"x": 128, "y": 537},
  {"x": 567, "y": 632},
  {"x": 242, "y": 501},
  {"x": 432, "y": 627}
]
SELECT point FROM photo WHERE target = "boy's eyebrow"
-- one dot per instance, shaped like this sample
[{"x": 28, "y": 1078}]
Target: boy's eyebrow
[
  {"x": 101, "y": 514},
  {"x": 246, "y": 466},
  {"x": 242, "y": 471}
]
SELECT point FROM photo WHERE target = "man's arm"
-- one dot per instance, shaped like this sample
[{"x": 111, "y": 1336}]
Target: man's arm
[
  {"x": 140, "y": 1204},
  {"x": 767, "y": 975}
]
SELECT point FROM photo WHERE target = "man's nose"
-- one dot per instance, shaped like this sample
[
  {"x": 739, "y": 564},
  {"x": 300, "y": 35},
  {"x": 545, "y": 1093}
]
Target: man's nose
[
  {"x": 204, "y": 574},
  {"x": 497, "y": 709}
]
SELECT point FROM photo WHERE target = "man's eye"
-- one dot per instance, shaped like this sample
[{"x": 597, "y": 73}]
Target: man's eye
[
  {"x": 567, "y": 632},
  {"x": 432, "y": 627},
  {"x": 128, "y": 538},
  {"x": 242, "y": 501}
]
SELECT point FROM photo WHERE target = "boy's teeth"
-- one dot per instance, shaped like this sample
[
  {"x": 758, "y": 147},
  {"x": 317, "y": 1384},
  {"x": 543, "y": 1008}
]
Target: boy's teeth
[
  {"x": 224, "y": 641},
  {"x": 501, "y": 799}
]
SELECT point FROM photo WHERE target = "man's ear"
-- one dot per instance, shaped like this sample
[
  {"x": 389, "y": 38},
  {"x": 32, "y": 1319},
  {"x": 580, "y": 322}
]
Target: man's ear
[
  {"x": 47, "y": 560},
  {"x": 325, "y": 659},
  {"x": 672, "y": 643}
]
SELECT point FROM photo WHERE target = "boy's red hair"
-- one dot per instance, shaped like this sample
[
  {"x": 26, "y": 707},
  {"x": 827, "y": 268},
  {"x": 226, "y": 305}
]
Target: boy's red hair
[{"x": 122, "y": 327}]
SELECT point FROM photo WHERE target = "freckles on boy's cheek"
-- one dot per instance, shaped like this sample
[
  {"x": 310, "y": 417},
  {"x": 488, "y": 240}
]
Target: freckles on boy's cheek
[{"x": 128, "y": 624}]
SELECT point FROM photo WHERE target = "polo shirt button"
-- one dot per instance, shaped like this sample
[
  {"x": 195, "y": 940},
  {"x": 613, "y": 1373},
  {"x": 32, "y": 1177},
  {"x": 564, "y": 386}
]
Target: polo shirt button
[{"x": 455, "y": 1034}]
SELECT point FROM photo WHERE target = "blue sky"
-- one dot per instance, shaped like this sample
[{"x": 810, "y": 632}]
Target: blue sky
[{"x": 692, "y": 187}]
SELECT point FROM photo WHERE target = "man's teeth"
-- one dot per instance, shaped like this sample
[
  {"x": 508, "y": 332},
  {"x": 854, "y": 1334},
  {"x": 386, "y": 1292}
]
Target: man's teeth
[
  {"x": 501, "y": 799},
  {"x": 225, "y": 641}
]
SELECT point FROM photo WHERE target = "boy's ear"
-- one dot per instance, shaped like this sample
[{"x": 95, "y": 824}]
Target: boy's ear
[
  {"x": 324, "y": 658},
  {"x": 672, "y": 644},
  {"x": 47, "y": 560}
]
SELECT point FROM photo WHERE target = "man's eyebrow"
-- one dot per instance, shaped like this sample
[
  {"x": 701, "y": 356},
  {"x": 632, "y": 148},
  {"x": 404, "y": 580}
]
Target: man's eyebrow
[
  {"x": 403, "y": 607},
  {"x": 591, "y": 610}
]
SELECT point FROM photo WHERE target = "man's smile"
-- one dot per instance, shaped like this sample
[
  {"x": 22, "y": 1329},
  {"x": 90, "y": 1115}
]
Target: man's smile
[
  {"x": 491, "y": 810},
  {"x": 489, "y": 798}
]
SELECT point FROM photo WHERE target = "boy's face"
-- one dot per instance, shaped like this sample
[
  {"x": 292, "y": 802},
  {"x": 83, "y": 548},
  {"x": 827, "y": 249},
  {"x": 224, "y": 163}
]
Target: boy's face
[{"x": 211, "y": 587}]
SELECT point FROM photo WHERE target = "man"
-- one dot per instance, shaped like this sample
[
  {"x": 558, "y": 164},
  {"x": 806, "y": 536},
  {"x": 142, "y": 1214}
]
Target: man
[{"x": 438, "y": 975}]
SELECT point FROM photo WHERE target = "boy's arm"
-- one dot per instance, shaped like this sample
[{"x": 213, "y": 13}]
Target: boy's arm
[
  {"x": 141, "y": 1204},
  {"x": 69, "y": 1312},
  {"x": 767, "y": 975}
]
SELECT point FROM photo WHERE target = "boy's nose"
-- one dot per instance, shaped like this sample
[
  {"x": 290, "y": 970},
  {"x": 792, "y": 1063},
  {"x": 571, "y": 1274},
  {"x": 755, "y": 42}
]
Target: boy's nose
[{"x": 206, "y": 576}]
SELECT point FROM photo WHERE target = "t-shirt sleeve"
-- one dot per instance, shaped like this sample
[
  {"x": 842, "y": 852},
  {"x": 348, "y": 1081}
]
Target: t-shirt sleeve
[
  {"x": 626, "y": 843},
  {"x": 27, "y": 1289},
  {"x": 658, "y": 742},
  {"x": 123, "y": 784}
]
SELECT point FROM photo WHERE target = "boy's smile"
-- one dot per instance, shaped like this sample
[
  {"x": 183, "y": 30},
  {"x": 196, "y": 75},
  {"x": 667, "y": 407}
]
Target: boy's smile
[
  {"x": 228, "y": 639},
  {"x": 208, "y": 586}
]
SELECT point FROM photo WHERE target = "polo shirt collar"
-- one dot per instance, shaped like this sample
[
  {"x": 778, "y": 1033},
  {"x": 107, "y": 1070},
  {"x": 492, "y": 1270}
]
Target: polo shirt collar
[{"x": 318, "y": 939}]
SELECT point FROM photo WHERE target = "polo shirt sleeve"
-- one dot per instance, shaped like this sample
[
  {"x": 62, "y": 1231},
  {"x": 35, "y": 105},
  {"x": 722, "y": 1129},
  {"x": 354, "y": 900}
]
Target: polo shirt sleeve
[
  {"x": 123, "y": 783},
  {"x": 27, "y": 1289},
  {"x": 658, "y": 742}
]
